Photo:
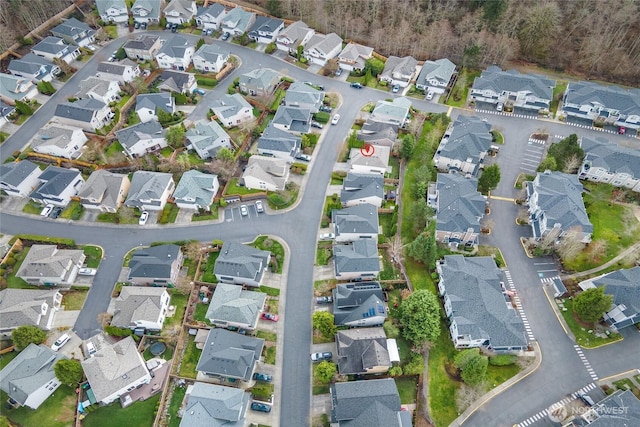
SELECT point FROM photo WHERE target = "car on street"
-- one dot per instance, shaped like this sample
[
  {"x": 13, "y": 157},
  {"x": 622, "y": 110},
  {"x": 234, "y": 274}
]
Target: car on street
[
  {"x": 356, "y": 85},
  {"x": 319, "y": 357},
  {"x": 324, "y": 300},
  {"x": 64, "y": 338},
  {"x": 500, "y": 106},
  {"x": 338, "y": 72},
  {"x": 199, "y": 91},
  {"x": 316, "y": 125},
  {"x": 87, "y": 271},
  {"x": 168, "y": 26},
  {"x": 325, "y": 108},
  {"x": 336, "y": 119},
  {"x": 47, "y": 210},
  {"x": 622, "y": 130},
  {"x": 270, "y": 317},
  {"x": 144, "y": 216},
  {"x": 243, "y": 210},
  {"x": 429, "y": 96},
  {"x": 259, "y": 206},
  {"x": 226, "y": 35},
  {"x": 258, "y": 376},
  {"x": 327, "y": 236},
  {"x": 395, "y": 88},
  {"x": 260, "y": 407}
]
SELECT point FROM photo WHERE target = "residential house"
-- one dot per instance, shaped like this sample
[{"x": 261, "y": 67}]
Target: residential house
[
  {"x": 464, "y": 146},
  {"x": 610, "y": 163},
  {"x": 233, "y": 307},
  {"x": 355, "y": 222},
  {"x": 59, "y": 140},
  {"x": 29, "y": 379},
  {"x": 115, "y": 370},
  {"x": 354, "y": 56},
  {"x": 265, "y": 29},
  {"x": 365, "y": 351},
  {"x": 239, "y": 264},
  {"x": 196, "y": 190},
  {"x": 57, "y": 186},
  {"x": 113, "y": 11},
  {"x": 19, "y": 178},
  {"x": 362, "y": 163},
  {"x": 210, "y": 57},
  {"x": 358, "y": 189},
  {"x": 521, "y": 93},
  {"x": 259, "y": 82},
  {"x": 556, "y": 205},
  {"x": 149, "y": 191},
  {"x": 598, "y": 105},
  {"x": 399, "y": 71},
  {"x": 27, "y": 307},
  {"x": 74, "y": 32},
  {"x": 89, "y": 114},
  {"x": 180, "y": 11},
  {"x": 148, "y": 104},
  {"x": 378, "y": 134},
  {"x": 146, "y": 11},
  {"x": 104, "y": 191},
  {"x": 358, "y": 260},
  {"x": 210, "y": 17},
  {"x": 620, "y": 408},
  {"x": 278, "y": 143},
  {"x": 459, "y": 208},
  {"x": 176, "y": 53},
  {"x": 321, "y": 48},
  {"x": 145, "y": 47},
  {"x": 435, "y": 75},
  {"x": 371, "y": 403},
  {"x": 141, "y": 307},
  {"x": 206, "y": 138},
  {"x": 52, "y": 48},
  {"x": 266, "y": 173},
  {"x": 121, "y": 72},
  {"x": 177, "y": 81},
  {"x": 6, "y": 111},
  {"x": 229, "y": 356},
  {"x": 231, "y": 110},
  {"x": 478, "y": 305},
  {"x": 294, "y": 35},
  {"x": 394, "y": 112},
  {"x": 238, "y": 21},
  {"x": 105, "y": 91},
  {"x": 48, "y": 265},
  {"x": 359, "y": 304},
  {"x": 624, "y": 287},
  {"x": 302, "y": 95},
  {"x": 156, "y": 265},
  {"x": 142, "y": 138},
  {"x": 292, "y": 119},
  {"x": 33, "y": 67},
  {"x": 214, "y": 405},
  {"x": 14, "y": 89}
]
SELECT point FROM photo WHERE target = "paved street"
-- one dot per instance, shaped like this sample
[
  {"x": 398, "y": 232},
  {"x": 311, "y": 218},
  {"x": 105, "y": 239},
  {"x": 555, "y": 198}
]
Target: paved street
[{"x": 562, "y": 368}]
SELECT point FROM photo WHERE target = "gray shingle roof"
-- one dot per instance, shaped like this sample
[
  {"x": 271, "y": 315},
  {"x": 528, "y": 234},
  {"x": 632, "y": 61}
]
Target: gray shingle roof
[
  {"x": 93, "y": 84},
  {"x": 498, "y": 81},
  {"x": 295, "y": 32},
  {"x": 215, "y": 406},
  {"x": 196, "y": 185},
  {"x": 367, "y": 403},
  {"x": 104, "y": 186},
  {"x": 302, "y": 94},
  {"x": 211, "y": 52},
  {"x": 376, "y": 131},
  {"x": 355, "y": 301},
  {"x": 137, "y": 303},
  {"x": 24, "y": 307},
  {"x": 238, "y": 18},
  {"x": 6, "y": 109},
  {"x": 144, "y": 41},
  {"x": 54, "y": 181},
  {"x": 396, "y": 65},
  {"x": 396, "y": 110},
  {"x": 72, "y": 28},
  {"x": 480, "y": 309},
  {"x": 30, "y": 63},
  {"x": 214, "y": 10},
  {"x": 131, "y": 135},
  {"x": 49, "y": 261},
  {"x": 154, "y": 262},
  {"x": 271, "y": 170},
  {"x": 30, "y": 370},
  {"x": 469, "y": 138},
  {"x": 624, "y": 286},
  {"x": 175, "y": 47},
  {"x": 229, "y": 105},
  {"x": 242, "y": 261},
  {"x": 627, "y": 101},
  {"x": 297, "y": 119},
  {"x": 361, "y": 349},
  {"x": 183, "y": 7},
  {"x": 379, "y": 159},
  {"x": 261, "y": 78},
  {"x": 612, "y": 157},
  {"x": 55, "y": 134},
  {"x": 154, "y": 101},
  {"x": 52, "y": 45},
  {"x": 82, "y": 110},
  {"x": 460, "y": 205},
  {"x": 275, "y": 139},
  {"x": 265, "y": 24},
  {"x": 355, "y": 219},
  {"x": 208, "y": 135},
  {"x": 356, "y": 257},
  {"x": 622, "y": 408},
  {"x": 147, "y": 185},
  {"x": 355, "y": 51},
  {"x": 440, "y": 70},
  {"x": 176, "y": 81},
  {"x": 324, "y": 43},
  {"x": 358, "y": 186},
  {"x": 13, "y": 173},
  {"x": 231, "y": 303},
  {"x": 104, "y": 5},
  {"x": 229, "y": 354},
  {"x": 115, "y": 68}
]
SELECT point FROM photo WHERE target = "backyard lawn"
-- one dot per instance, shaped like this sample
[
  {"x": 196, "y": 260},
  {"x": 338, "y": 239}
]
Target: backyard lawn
[
  {"x": 460, "y": 91},
  {"x": 139, "y": 414},
  {"x": 235, "y": 189},
  {"x": 180, "y": 302},
  {"x": 190, "y": 359},
  {"x": 324, "y": 253},
  {"x": 207, "y": 269},
  {"x": 200, "y": 312},
  {"x": 57, "y": 411},
  {"x": 174, "y": 405},
  {"x": 407, "y": 389}
]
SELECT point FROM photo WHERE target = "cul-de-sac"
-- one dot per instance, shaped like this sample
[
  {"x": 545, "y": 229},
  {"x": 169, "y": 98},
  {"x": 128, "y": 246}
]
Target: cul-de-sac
[{"x": 332, "y": 213}]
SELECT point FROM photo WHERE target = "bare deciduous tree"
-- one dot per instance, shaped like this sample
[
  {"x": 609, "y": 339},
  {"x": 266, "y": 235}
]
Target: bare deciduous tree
[
  {"x": 571, "y": 164},
  {"x": 597, "y": 250},
  {"x": 104, "y": 318},
  {"x": 570, "y": 243}
]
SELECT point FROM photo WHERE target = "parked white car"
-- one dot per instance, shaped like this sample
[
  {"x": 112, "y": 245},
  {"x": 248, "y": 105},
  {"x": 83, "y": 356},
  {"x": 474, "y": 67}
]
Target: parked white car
[
  {"x": 143, "y": 218},
  {"x": 64, "y": 338},
  {"x": 87, "y": 271}
]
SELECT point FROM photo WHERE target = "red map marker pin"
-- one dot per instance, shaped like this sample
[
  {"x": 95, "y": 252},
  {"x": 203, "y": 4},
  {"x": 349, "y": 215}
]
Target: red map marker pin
[{"x": 367, "y": 150}]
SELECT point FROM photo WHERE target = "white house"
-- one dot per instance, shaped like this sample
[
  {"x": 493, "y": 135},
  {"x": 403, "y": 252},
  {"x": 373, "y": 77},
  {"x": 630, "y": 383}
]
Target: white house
[
  {"x": 354, "y": 56},
  {"x": 232, "y": 110},
  {"x": 233, "y": 307},
  {"x": 121, "y": 72},
  {"x": 149, "y": 191},
  {"x": 210, "y": 58},
  {"x": 148, "y": 104},
  {"x": 265, "y": 29},
  {"x": 206, "y": 138},
  {"x": 399, "y": 71},
  {"x": 33, "y": 307},
  {"x": 59, "y": 140},
  {"x": 105, "y": 91},
  {"x": 141, "y": 307},
  {"x": 196, "y": 190},
  {"x": 296, "y": 34},
  {"x": 355, "y": 222},
  {"x": 279, "y": 143},
  {"x": 57, "y": 186},
  {"x": 373, "y": 161},
  {"x": 34, "y": 67},
  {"x": 394, "y": 112},
  {"x": 180, "y": 11},
  {"x": 358, "y": 189},
  {"x": 238, "y": 21},
  {"x": 176, "y": 53},
  {"x": 53, "y": 48},
  {"x": 322, "y": 48},
  {"x": 210, "y": 17},
  {"x": 74, "y": 32},
  {"x": 14, "y": 88},
  {"x": 48, "y": 265},
  {"x": 19, "y": 179},
  {"x": 266, "y": 173},
  {"x": 89, "y": 114},
  {"x": 143, "y": 48},
  {"x": 113, "y": 10},
  {"x": 142, "y": 138},
  {"x": 610, "y": 163},
  {"x": 435, "y": 75},
  {"x": 240, "y": 264},
  {"x": 146, "y": 11}
]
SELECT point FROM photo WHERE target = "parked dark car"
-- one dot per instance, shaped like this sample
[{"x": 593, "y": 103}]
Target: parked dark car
[
  {"x": 316, "y": 125},
  {"x": 324, "y": 300},
  {"x": 356, "y": 85},
  {"x": 325, "y": 108},
  {"x": 226, "y": 35},
  {"x": 143, "y": 26},
  {"x": 262, "y": 377},
  {"x": 55, "y": 212},
  {"x": 261, "y": 407}
]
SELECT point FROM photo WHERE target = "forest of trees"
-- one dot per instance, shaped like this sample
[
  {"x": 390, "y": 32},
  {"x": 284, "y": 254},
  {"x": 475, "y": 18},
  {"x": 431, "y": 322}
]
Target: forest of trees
[{"x": 598, "y": 39}]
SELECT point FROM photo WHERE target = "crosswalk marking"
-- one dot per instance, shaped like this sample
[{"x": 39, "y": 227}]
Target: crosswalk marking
[
  {"x": 545, "y": 280},
  {"x": 563, "y": 402},
  {"x": 585, "y": 362},
  {"x": 516, "y": 299},
  {"x": 502, "y": 113}
]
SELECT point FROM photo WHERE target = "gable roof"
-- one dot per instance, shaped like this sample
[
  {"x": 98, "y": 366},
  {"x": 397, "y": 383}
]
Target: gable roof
[
  {"x": 211, "y": 52},
  {"x": 626, "y": 101},
  {"x": 175, "y": 81},
  {"x": 72, "y": 28},
  {"x": 131, "y": 135},
  {"x": 498, "y": 81},
  {"x": 355, "y": 52},
  {"x": 441, "y": 70},
  {"x": 396, "y": 109},
  {"x": 229, "y": 105},
  {"x": 356, "y": 257},
  {"x": 137, "y": 303},
  {"x": 24, "y": 307},
  {"x": 214, "y": 405},
  {"x": 469, "y": 138},
  {"x": 155, "y": 101},
  {"x": 114, "y": 367},
  {"x": 143, "y": 41},
  {"x": 54, "y": 181},
  {"x": 271, "y": 170},
  {"x": 600, "y": 153},
  {"x": 231, "y": 303},
  {"x": 376, "y": 131},
  {"x": 324, "y": 43},
  {"x": 13, "y": 87},
  {"x": 238, "y": 18},
  {"x": 379, "y": 158},
  {"x": 297, "y": 119},
  {"x": 230, "y": 354},
  {"x": 104, "y": 5},
  {"x": 6, "y": 109},
  {"x": 624, "y": 286},
  {"x": 116, "y": 68},
  {"x": 261, "y": 78},
  {"x": 238, "y": 260},
  {"x": 207, "y": 135},
  {"x": 460, "y": 204},
  {"x": 30, "y": 63},
  {"x": 198, "y": 186},
  {"x": 610, "y": 413},
  {"x": 176, "y": 46},
  {"x": 357, "y": 186},
  {"x": 265, "y": 24},
  {"x": 361, "y": 349},
  {"x": 296, "y": 32},
  {"x": 473, "y": 286},
  {"x": 302, "y": 94},
  {"x": 183, "y": 7},
  {"x": 13, "y": 174},
  {"x": 397, "y": 65},
  {"x": 355, "y": 219},
  {"x": 52, "y": 45},
  {"x": 275, "y": 139},
  {"x": 214, "y": 10},
  {"x": 49, "y": 261},
  {"x": 57, "y": 134},
  {"x": 82, "y": 110},
  {"x": 356, "y": 301},
  {"x": 147, "y": 185},
  {"x": 104, "y": 186},
  {"x": 154, "y": 262},
  {"x": 31, "y": 369}
]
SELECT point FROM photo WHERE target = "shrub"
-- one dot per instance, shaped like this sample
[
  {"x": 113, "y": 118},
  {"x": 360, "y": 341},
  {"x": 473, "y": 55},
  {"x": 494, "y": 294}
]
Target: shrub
[
  {"x": 502, "y": 360},
  {"x": 206, "y": 81},
  {"x": 271, "y": 47},
  {"x": 322, "y": 117}
]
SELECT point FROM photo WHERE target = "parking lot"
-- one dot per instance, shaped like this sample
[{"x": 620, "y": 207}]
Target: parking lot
[{"x": 233, "y": 213}]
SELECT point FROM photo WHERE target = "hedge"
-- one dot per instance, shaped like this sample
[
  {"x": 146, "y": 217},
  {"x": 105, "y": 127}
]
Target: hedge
[{"x": 322, "y": 117}]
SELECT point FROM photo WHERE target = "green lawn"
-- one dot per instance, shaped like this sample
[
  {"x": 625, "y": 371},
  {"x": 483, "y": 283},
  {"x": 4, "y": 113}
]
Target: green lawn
[
  {"x": 496, "y": 375},
  {"x": 493, "y": 251},
  {"x": 234, "y": 188},
  {"x": 112, "y": 31},
  {"x": 74, "y": 211},
  {"x": 266, "y": 244},
  {"x": 180, "y": 302},
  {"x": 167, "y": 355},
  {"x": 139, "y": 414},
  {"x": 200, "y": 312},
  {"x": 32, "y": 208},
  {"x": 57, "y": 411},
  {"x": 460, "y": 91},
  {"x": 207, "y": 216},
  {"x": 6, "y": 358},
  {"x": 284, "y": 198},
  {"x": 267, "y": 336},
  {"x": 407, "y": 389},
  {"x": 323, "y": 253},
  {"x": 269, "y": 354},
  {"x": 273, "y": 292},
  {"x": 386, "y": 221},
  {"x": 174, "y": 405},
  {"x": 394, "y": 162},
  {"x": 93, "y": 256},
  {"x": 262, "y": 390},
  {"x": 169, "y": 214},
  {"x": 442, "y": 388},
  {"x": 558, "y": 92},
  {"x": 583, "y": 337},
  {"x": 190, "y": 359},
  {"x": 123, "y": 101},
  {"x": 74, "y": 300},
  {"x": 207, "y": 269}
]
